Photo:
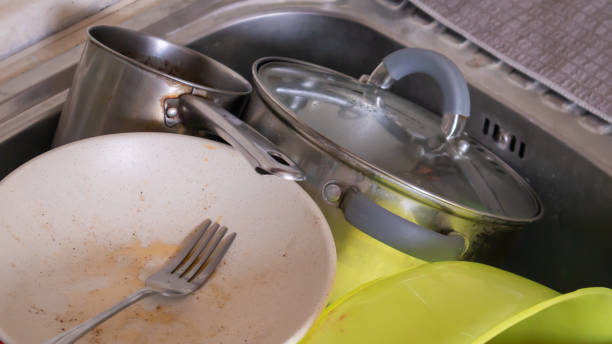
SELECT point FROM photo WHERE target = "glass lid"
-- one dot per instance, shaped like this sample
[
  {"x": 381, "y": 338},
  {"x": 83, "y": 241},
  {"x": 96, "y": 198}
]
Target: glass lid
[{"x": 400, "y": 139}]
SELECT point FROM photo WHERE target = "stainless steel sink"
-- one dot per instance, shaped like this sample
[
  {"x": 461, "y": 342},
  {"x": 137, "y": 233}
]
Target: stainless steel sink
[{"x": 538, "y": 133}]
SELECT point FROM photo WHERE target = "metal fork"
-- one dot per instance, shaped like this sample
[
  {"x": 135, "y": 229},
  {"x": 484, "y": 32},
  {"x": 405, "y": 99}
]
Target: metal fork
[{"x": 182, "y": 275}]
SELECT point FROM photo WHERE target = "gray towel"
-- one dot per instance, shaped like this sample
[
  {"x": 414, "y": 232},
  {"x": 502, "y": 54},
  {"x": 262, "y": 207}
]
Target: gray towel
[{"x": 564, "y": 44}]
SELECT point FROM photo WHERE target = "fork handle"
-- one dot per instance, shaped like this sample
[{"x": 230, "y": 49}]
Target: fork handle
[{"x": 78, "y": 331}]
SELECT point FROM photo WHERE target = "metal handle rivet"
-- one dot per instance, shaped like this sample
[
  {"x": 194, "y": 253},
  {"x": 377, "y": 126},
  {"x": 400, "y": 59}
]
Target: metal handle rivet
[
  {"x": 171, "y": 112},
  {"x": 332, "y": 192}
]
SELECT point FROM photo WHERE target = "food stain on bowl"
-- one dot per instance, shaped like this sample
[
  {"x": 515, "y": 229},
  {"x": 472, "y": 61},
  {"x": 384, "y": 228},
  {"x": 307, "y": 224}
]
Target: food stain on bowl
[{"x": 101, "y": 276}]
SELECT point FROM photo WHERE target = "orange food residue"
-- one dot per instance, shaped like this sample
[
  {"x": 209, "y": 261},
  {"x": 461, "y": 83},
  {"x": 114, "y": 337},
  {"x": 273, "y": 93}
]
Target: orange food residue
[{"x": 125, "y": 267}]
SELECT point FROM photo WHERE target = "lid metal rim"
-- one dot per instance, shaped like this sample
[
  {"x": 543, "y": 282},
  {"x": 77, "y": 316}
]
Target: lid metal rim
[
  {"x": 375, "y": 172},
  {"x": 217, "y": 64}
]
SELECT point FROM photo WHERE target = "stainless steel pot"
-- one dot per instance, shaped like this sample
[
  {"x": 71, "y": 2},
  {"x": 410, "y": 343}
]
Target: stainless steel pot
[
  {"x": 383, "y": 165},
  {"x": 129, "y": 81}
]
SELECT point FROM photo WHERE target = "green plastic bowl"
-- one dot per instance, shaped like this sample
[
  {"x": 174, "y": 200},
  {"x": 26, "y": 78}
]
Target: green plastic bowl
[
  {"x": 583, "y": 316},
  {"x": 462, "y": 302}
]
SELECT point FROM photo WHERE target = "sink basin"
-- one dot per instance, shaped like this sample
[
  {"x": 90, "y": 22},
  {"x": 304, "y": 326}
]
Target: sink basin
[{"x": 567, "y": 249}]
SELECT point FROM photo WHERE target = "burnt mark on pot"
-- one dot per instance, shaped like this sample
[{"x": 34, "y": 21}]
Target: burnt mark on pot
[
  {"x": 161, "y": 65},
  {"x": 171, "y": 100}
]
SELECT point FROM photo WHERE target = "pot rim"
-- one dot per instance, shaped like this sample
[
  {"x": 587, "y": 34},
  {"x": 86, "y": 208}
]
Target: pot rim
[
  {"x": 379, "y": 175},
  {"x": 248, "y": 89}
]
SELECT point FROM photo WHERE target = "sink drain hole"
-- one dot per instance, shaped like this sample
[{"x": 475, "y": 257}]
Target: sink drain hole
[
  {"x": 521, "y": 152},
  {"x": 504, "y": 139},
  {"x": 496, "y": 132},
  {"x": 485, "y": 126},
  {"x": 512, "y": 143}
]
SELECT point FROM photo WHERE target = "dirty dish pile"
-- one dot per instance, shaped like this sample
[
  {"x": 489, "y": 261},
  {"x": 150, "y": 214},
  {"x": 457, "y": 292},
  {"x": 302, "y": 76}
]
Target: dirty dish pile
[
  {"x": 86, "y": 223},
  {"x": 398, "y": 183}
]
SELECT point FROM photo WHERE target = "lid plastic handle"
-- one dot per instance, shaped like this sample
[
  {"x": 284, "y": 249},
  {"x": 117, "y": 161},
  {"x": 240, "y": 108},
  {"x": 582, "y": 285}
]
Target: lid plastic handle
[
  {"x": 398, "y": 232},
  {"x": 455, "y": 93}
]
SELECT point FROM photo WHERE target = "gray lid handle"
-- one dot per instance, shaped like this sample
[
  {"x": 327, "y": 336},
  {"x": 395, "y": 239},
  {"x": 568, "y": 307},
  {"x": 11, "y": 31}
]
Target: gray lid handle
[
  {"x": 398, "y": 232},
  {"x": 197, "y": 112},
  {"x": 407, "y": 61}
]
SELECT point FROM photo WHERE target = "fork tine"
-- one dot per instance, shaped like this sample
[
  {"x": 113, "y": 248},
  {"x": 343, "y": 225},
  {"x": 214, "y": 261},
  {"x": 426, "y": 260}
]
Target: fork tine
[
  {"x": 217, "y": 255},
  {"x": 210, "y": 232},
  {"x": 178, "y": 259},
  {"x": 204, "y": 256}
]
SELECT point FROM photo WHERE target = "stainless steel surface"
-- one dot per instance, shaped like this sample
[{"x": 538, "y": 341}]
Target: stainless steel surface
[
  {"x": 125, "y": 77},
  {"x": 182, "y": 275},
  {"x": 453, "y": 125},
  {"x": 129, "y": 81},
  {"x": 568, "y": 165},
  {"x": 386, "y": 207},
  {"x": 566, "y": 248},
  {"x": 195, "y": 112},
  {"x": 403, "y": 24},
  {"x": 332, "y": 192},
  {"x": 596, "y": 125},
  {"x": 379, "y": 77},
  {"x": 328, "y": 178},
  {"x": 394, "y": 140}
]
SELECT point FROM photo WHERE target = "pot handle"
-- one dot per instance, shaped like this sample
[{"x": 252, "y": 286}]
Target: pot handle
[
  {"x": 197, "y": 112},
  {"x": 456, "y": 96},
  {"x": 397, "y": 232}
]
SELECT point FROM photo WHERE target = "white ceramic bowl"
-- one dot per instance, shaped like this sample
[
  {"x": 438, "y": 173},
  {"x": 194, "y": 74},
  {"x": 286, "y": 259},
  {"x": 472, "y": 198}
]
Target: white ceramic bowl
[{"x": 83, "y": 225}]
